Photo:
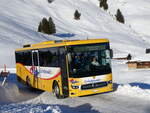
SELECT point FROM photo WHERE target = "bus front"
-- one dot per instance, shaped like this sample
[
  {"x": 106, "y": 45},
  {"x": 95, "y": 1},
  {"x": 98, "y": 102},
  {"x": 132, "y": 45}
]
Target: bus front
[{"x": 89, "y": 67}]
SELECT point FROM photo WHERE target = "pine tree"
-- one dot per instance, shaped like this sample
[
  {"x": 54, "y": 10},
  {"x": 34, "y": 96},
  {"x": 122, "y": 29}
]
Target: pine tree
[
  {"x": 103, "y": 4},
  {"x": 50, "y": 1},
  {"x": 52, "y": 26},
  {"x": 119, "y": 16},
  {"x": 45, "y": 26},
  {"x": 40, "y": 27},
  {"x": 77, "y": 15}
]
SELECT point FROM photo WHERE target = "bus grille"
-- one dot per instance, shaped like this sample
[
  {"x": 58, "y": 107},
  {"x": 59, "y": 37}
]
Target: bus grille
[{"x": 93, "y": 85}]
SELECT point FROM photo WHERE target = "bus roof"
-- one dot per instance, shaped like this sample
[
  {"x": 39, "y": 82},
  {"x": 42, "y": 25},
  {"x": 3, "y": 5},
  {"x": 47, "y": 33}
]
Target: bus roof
[{"x": 58, "y": 43}]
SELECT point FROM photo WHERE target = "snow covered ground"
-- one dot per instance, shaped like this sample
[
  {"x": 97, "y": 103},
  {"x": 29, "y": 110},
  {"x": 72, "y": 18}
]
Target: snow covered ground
[
  {"x": 18, "y": 26},
  {"x": 131, "y": 94}
]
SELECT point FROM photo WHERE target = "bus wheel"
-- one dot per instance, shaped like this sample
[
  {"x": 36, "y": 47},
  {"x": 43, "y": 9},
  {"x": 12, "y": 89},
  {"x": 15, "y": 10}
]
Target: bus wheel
[
  {"x": 28, "y": 82},
  {"x": 56, "y": 90}
]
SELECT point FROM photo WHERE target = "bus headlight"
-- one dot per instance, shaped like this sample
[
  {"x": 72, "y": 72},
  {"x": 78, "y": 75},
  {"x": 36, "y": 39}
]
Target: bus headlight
[
  {"x": 73, "y": 81},
  {"x": 74, "y": 87}
]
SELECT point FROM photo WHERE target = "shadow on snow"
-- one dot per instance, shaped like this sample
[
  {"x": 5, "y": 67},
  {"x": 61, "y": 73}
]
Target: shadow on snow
[{"x": 40, "y": 108}]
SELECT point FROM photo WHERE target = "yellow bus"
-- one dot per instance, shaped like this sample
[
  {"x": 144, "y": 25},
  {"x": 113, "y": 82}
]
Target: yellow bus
[{"x": 67, "y": 68}]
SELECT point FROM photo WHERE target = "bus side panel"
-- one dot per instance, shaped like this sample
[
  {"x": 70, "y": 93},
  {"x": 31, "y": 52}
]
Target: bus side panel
[
  {"x": 47, "y": 85},
  {"x": 36, "y": 82},
  {"x": 23, "y": 73}
]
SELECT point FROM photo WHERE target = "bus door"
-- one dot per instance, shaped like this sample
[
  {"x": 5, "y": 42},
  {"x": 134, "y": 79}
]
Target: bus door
[
  {"x": 35, "y": 67},
  {"x": 64, "y": 75}
]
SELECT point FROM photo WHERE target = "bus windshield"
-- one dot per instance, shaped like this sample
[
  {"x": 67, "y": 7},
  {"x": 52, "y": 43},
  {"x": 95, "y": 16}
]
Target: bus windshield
[{"x": 89, "y": 60}]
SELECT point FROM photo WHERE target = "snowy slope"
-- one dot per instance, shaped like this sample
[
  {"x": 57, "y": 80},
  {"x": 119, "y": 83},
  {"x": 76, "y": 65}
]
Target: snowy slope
[
  {"x": 136, "y": 14},
  {"x": 19, "y": 20}
]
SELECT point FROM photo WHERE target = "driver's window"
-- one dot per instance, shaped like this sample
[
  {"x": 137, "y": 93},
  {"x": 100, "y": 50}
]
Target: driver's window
[
  {"x": 107, "y": 52},
  {"x": 69, "y": 57}
]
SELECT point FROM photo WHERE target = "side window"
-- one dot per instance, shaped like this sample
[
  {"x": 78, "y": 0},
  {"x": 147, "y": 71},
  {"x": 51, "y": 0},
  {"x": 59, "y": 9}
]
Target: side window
[
  {"x": 24, "y": 58},
  {"x": 18, "y": 57},
  {"x": 49, "y": 57},
  {"x": 27, "y": 58}
]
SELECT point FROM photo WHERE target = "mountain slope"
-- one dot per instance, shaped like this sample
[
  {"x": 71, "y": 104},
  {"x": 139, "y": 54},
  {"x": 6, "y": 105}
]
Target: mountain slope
[
  {"x": 20, "y": 18},
  {"x": 136, "y": 13}
]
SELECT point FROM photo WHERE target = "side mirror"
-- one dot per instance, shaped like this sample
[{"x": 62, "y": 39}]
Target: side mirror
[{"x": 111, "y": 53}]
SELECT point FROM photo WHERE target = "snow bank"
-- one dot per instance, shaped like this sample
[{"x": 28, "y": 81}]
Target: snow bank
[
  {"x": 133, "y": 91},
  {"x": 143, "y": 57},
  {"x": 11, "y": 70},
  {"x": 8, "y": 92},
  {"x": 3, "y": 96},
  {"x": 30, "y": 108}
]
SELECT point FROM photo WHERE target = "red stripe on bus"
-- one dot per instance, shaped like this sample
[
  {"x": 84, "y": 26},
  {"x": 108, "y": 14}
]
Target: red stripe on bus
[{"x": 55, "y": 76}]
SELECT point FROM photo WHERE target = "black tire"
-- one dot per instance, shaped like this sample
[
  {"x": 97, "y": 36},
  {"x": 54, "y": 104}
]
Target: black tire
[
  {"x": 56, "y": 90},
  {"x": 28, "y": 82}
]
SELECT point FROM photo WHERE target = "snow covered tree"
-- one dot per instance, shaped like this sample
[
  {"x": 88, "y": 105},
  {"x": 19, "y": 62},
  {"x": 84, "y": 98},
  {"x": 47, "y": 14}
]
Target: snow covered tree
[
  {"x": 77, "y": 15},
  {"x": 119, "y": 17},
  {"x": 103, "y": 4},
  {"x": 52, "y": 26}
]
